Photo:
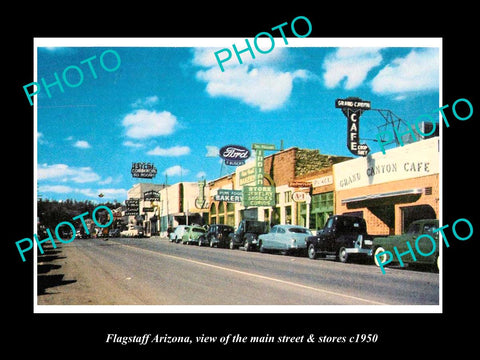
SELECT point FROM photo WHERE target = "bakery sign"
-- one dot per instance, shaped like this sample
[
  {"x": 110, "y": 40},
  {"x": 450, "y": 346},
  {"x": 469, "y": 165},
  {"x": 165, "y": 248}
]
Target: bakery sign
[{"x": 352, "y": 108}]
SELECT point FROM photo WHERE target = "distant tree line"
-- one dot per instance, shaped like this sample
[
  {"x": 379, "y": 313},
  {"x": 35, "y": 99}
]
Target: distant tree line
[{"x": 52, "y": 212}]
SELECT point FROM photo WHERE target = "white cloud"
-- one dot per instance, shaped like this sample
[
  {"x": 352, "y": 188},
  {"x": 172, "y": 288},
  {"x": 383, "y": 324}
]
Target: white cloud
[
  {"x": 111, "y": 193},
  {"x": 129, "y": 143},
  {"x": 146, "y": 102},
  {"x": 59, "y": 189},
  {"x": 256, "y": 82},
  {"x": 173, "y": 151},
  {"x": 142, "y": 124},
  {"x": 201, "y": 174},
  {"x": 212, "y": 151},
  {"x": 176, "y": 170},
  {"x": 63, "y": 172},
  {"x": 352, "y": 64},
  {"x": 205, "y": 57},
  {"x": 108, "y": 180},
  {"x": 108, "y": 193},
  {"x": 82, "y": 144},
  {"x": 41, "y": 138},
  {"x": 418, "y": 71},
  {"x": 261, "y": 87}
]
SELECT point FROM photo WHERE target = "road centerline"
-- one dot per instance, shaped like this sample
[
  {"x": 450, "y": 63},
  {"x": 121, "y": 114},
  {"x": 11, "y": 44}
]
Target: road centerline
[{"x": 263, "y": 277}]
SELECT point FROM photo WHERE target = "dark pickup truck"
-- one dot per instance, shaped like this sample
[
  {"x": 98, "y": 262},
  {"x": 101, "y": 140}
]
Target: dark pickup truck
[
  {"x": 342, "y": 236},
  {"x": 247, "y": 234}
]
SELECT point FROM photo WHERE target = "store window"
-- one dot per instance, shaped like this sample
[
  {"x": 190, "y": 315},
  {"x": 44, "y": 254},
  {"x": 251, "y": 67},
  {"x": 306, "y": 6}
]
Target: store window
[
  {"x": 288, "y": 214},
  {"x": 321, "y": 209},
  {"x": 276, "y": 216},
  {"x": 288, "y": 196},
  {"x": 213, "y": 214},
  {"x": 231, "y": 214},
  {"x": 266, "y": 215}
]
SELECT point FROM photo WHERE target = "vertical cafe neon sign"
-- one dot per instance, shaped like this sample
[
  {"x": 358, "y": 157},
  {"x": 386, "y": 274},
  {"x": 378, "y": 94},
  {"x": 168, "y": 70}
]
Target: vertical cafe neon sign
[{"x": 353, "y": 108}]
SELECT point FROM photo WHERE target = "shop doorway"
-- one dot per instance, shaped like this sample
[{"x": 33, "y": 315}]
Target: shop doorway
[
  {"x": 386, "y": 214},
  {"x": 417, "y": 212}
]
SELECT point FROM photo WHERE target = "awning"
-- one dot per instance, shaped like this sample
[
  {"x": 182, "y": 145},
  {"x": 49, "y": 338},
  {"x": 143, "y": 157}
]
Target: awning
[{"x": 382, "y": 195}]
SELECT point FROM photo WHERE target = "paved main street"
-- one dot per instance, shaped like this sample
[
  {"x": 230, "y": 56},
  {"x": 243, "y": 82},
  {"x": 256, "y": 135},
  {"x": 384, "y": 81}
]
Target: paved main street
[{"x": 154, "y": 271}]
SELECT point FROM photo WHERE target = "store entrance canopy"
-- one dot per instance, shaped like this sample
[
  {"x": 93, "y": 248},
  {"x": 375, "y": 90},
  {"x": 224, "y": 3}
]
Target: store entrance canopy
[{"x": 382, "y": 195}]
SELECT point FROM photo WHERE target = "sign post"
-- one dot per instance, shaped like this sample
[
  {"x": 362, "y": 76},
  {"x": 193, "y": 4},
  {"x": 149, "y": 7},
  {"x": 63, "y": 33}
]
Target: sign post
[{"x": 352, "y": 108}]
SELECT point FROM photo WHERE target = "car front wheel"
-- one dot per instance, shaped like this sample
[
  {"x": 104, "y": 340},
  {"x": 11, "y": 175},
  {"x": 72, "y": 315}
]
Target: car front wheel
[
  {"x": 383, "y": 257},
  {"x": 312, "y": 254},
  {"x": 343, "y": 255}
]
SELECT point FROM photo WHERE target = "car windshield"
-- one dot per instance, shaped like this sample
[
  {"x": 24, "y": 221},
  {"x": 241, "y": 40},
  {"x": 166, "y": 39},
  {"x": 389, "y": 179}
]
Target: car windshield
[
  {"x": 430, "y": 228},
  {"x": 256, "y": 226},
  {"x": 199, "y": 230},
  {"x": 299, "y": 231},
  {"x": 351, "y": 224}
]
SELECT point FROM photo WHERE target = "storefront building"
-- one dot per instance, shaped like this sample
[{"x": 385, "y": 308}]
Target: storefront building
[
  {"x": 143, "y": 203},
  {"x": 183, "y": 203},
  {"x": 315, "y": 210},
  {"x": 162, "y": 206},
  {"x": 288, "y": 171},
  {"x": 221, "y": 208},
  {"x": 393, "y": 189}
]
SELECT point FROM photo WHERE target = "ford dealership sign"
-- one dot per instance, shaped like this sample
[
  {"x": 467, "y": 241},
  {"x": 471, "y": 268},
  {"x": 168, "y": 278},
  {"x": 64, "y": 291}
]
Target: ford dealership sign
[{"x": 234, "y": 154}]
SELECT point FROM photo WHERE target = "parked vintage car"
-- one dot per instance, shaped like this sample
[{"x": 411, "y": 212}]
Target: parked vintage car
[
  {"x": 114, "y": 233},
  {"x": 286, "y": 238},
  {"x": 192, "y": 235},
  {"x": 424, "y": 244},
  {"x": 247, "y": 234},
  {"x": 176, "y": 236},
  {"x": 344, "y": 236},
  {"x": 217, "y": 235},
  {"x": 132, "y": 231}
]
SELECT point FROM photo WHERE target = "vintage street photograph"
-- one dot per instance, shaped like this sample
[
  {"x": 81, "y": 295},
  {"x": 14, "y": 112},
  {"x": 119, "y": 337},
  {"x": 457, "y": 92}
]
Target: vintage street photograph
[{"x": 265, "y": 174}]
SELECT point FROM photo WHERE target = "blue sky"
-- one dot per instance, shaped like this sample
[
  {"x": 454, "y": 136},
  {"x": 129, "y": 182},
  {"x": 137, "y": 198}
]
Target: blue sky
[{"x": 174, "y": 107}]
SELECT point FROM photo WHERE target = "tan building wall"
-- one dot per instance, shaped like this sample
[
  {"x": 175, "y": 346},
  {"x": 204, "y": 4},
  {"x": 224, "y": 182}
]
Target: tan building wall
[
  {"x": 375, "y": 210},
  {"x": 393, "y": 189},
  {"x": 221, "y": 212}
]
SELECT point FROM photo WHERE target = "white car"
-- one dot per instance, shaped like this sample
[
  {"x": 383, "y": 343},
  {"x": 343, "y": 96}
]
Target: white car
[
  {"x": 132, "y": 231},
  {"x": 176, "y": 236},
  {"x": 286, "y": 238}
]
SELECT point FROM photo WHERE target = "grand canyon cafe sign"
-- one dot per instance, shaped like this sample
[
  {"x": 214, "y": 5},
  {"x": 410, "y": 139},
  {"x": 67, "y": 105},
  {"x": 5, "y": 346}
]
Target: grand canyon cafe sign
[{"x": 352, "y": 108}]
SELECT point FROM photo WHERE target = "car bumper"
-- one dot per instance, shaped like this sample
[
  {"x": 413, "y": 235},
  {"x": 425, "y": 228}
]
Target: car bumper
[
  {"x": 299, "y": 246},
  {"x": 359, "y": 251}
]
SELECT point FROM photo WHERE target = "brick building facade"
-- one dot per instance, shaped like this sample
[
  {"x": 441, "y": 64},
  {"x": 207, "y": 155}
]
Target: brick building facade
[
  {"x": 281, "y": 170},
  {"x": 393, "y": 189}
]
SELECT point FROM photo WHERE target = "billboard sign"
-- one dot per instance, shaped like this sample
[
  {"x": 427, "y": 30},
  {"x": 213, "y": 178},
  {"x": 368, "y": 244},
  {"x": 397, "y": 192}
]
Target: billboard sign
[
  {"x": 258, "y": 196},
  {"x": 234, "y": 154},
  {"x": 299, "y": 196},
  {"x": 143, "y": 170},
  {"x": 228, "y": 195},
  {"x": 132, "y": 207},
  {"x": 352, "y": 108},
  {"x": 257, "y": 146},
  {"x": 151, "y": 195},
  {"x": 246, "y": 176}
]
